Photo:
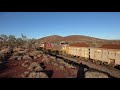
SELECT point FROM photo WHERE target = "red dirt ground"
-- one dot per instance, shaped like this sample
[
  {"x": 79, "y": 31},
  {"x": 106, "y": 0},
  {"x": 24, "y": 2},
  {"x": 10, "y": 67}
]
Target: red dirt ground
[{"x": 14, "y": 69}]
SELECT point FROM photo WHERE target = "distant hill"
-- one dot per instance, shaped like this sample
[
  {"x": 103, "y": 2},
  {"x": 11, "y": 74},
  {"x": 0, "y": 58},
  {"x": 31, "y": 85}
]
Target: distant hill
[
  {"x": 52, "y": 38},
  {"x": 93, "y": 41},
  {"x": 71, "y": 38},
  {"x": 80, "y": 38}
]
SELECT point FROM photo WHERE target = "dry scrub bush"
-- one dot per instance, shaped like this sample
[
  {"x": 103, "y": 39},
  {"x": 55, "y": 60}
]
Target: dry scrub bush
[
  {"x": 39, "y": 55},
  {"x": 34, "y": 64},
  {"x": 27, "y": 57},
  {"x": 37, "y": 75},
  {"x": 35, "y": 57},
  {"x": 26, "y": 73},
  {"x": 2, "y": 57},
  {"x": 32, "y": 75},
  {"x": 26, "y": 64},
  {"x": 46, "y": 60},
  {"x": 38, "y": 68},
  {"x": 43, "y": 75},
  {"x": 55, "y": 64},
  {"x": 34, "y": 67},
  {"x": 19, "y": 58},
  {"x": 34, "y": 53},
  {"x": 62, "y": 68},
  {"x": 6, "y": 50},
  {"x": 18, "y": 49},
  {"x": 13, "y": 58}
]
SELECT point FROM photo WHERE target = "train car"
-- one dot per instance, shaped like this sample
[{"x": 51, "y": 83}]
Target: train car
[
  {"x": 87, "y": 53},
  {"x": 64, "y": 47},
  {"x": 98, "y": 54},
  {"x": 111, "y": 54},
  {"x": 102, "y": 55},
  {"x": 69, "y": 52},
  {"x": 112, "y": 57},
  {"x": 39, "y": 46},
  {"x": 92, "y": 53},
  {"x": 117, "y": 59},
  {"x": 53, "y": 48},
  {"x": 48, "y": 45},
  {"x": 79, "y": 49},
  {"x": 84, "y": 52},
  {"x": 42, "y": 45},
  {"x": 95, "y": 55},
  {"x": 106, "y": 54},
  {"x": 79, "y": 52}
]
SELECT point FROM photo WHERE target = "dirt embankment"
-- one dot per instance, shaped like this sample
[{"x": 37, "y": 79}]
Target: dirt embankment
[{"x": 14, "y": 69}]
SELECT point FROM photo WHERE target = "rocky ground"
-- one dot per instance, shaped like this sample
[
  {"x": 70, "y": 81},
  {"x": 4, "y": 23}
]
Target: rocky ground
[{"x": 34, "y": 64}]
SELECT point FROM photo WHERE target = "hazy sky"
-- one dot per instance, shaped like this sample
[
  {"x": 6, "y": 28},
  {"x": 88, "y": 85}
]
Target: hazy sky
[{"x": 38, "y": 24}]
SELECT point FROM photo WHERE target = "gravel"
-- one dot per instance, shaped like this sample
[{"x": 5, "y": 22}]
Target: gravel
[{"x": 91, "y": 74}]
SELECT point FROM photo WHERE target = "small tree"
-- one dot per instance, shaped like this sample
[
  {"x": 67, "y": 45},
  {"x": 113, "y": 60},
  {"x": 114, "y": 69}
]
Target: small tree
[
  {"x": 4, "y": 37},
  {"x": 11, "y": 40},
  {"x": 20, "y": 42}
]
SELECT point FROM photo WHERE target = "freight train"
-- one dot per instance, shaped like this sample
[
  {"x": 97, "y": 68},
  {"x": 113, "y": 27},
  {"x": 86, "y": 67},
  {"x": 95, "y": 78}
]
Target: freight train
[{"x": 106, "y": 54}]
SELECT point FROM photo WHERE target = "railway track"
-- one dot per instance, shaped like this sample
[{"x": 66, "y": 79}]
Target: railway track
[{"x": 112, "y": 72}]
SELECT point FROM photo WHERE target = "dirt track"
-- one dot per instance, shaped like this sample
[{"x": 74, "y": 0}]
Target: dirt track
[{"x": 111, "y": 71}]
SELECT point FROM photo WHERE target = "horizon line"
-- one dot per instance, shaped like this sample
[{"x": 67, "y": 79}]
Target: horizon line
[{"x": 18, "y": 36}]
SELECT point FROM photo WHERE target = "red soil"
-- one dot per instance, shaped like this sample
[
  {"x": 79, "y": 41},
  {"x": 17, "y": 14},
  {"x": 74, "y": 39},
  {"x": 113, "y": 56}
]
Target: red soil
[
  {"x": 14, "y": 69},
  {"x": 57, "y": 73}
]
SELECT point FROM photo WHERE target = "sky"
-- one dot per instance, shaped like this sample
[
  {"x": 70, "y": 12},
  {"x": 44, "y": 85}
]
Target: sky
[{"x": 104, "y": 25}]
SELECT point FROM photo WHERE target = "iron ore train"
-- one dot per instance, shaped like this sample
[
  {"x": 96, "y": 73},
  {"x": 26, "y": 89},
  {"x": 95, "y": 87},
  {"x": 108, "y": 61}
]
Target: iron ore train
[{"x": 108, "y": 54}]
